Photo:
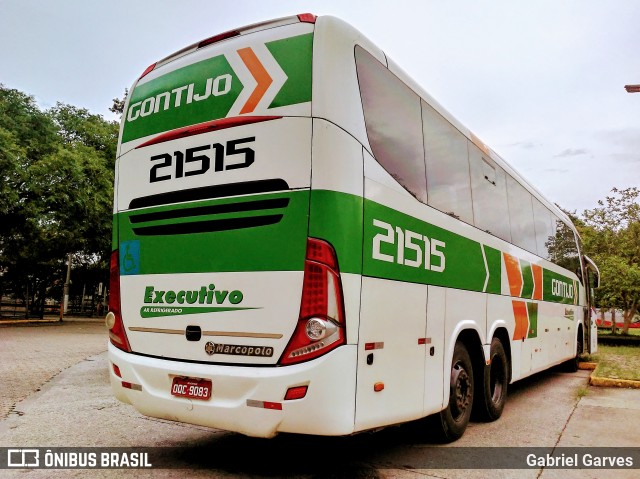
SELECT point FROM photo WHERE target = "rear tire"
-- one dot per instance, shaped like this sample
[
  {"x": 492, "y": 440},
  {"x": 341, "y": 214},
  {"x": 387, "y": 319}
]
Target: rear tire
[
  {"x": 490, "y": 402},
  {"x": 451, "y": 422}
]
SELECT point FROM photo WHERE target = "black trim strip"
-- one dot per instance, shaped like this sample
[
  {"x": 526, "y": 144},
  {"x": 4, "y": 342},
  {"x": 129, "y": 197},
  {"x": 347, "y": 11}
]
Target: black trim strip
[
  {"x": 207, "y": 226},
  {"x": 217, "y": 363},
  {"x": 211, "y": 210},
  {"x": 210, "y": 192}
]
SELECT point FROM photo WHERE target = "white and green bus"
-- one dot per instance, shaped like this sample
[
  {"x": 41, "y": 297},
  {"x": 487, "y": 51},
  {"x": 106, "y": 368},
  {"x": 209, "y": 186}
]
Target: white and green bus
[{"x": 305, "y": 241}]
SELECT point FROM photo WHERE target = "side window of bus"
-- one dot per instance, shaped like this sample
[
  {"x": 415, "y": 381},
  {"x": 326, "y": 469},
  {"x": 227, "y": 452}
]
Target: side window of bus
[
  {"x": 523, "y": 232},
  {"x": 563, "y": 247},
  {"x": 489, "y": 188},
  {"x": 393, "y": 121},
  {"x": 447, "y": 159},
  {"x": 545, "y": 228}
]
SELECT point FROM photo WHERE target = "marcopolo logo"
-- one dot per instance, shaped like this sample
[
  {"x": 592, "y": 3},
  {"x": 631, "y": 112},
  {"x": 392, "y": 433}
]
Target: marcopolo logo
[
  {"x": 176, "y": 303},
  {"x": 238, "y": 350}
]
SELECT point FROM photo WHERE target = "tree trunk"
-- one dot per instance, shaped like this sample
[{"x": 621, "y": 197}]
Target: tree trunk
[
  {"x": 628, "y": 316},
  {"x": 613, "y": 321}
]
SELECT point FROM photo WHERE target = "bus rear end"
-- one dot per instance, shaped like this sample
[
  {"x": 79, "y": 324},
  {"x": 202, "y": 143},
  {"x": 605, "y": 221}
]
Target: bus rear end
[{"x": 224, "y": 312}]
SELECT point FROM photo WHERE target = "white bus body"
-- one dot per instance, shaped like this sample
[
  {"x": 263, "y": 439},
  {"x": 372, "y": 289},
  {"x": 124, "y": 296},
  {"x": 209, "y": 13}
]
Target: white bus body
[{"x": 291, "y": 252}]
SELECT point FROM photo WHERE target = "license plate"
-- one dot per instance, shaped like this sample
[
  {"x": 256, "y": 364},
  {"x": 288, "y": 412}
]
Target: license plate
[{"x": 192, "y": 388}]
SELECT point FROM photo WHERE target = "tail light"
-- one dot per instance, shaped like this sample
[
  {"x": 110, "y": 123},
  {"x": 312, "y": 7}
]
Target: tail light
[
  {"x": 321, "y": 324},
  {"x": 114, "y": 322}
]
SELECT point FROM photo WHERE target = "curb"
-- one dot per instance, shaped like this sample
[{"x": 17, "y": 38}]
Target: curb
[
  {"x": 66, "y": 320},
  {"x": 28, "y": 321},
  {"x": 613, "y": 383},
  {"x": 587, "y": 366},
  {"x": 607, "y": 382}
]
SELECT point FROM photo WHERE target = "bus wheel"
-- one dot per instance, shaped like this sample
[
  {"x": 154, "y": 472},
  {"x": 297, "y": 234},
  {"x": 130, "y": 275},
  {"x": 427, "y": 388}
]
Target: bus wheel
[
  {"x": 453, "y": 420},
  {"x": 494, "y": 386},
  {"x": 572, "y": 364}
]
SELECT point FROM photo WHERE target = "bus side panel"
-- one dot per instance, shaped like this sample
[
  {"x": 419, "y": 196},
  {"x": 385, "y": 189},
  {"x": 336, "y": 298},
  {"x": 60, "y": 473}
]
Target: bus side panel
[
  {"x": 434, "y": 385},
  {"x": 393, "y": 320}
]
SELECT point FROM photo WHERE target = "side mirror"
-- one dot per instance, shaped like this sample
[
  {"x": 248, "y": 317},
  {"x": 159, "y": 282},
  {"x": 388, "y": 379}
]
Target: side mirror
[{"x": 593, "y": 270}]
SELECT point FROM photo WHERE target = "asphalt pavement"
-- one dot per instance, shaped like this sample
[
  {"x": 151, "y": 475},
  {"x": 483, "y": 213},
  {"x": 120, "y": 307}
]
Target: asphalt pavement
[{"x": 56, "y": 393}]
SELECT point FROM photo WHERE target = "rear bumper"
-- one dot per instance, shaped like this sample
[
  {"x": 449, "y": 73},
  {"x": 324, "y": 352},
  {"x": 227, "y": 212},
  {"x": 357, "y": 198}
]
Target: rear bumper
[{"x": 327, "y": 409}]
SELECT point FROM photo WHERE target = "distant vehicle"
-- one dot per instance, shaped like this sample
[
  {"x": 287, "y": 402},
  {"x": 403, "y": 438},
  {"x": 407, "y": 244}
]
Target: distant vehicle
[
  {"x": 305, "y": 241},
  {"x": 635, "y": 322}
]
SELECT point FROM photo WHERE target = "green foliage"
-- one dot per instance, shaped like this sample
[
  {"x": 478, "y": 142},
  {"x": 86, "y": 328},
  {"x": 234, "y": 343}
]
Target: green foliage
[
  {"x": 56, "y": 191},
  {"x": 118, "y": 104},
  {"x": 611, "y": 235}
]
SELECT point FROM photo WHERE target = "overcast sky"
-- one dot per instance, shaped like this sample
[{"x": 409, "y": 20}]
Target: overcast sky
[{"x": 541, "y": 82}]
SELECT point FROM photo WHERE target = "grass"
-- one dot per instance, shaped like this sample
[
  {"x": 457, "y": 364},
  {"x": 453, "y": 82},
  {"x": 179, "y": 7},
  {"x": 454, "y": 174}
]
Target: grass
[
  {"x": 583, "y": 391},
  {"x": 617, "y": 362}
]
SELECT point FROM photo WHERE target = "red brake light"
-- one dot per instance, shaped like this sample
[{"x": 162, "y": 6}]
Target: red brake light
[
  {"x": 117, "y": 333},
  {"x": 206, "y": 127},
  {"x": 321, "y": 324},
  {"x": 307, "y": 18}
]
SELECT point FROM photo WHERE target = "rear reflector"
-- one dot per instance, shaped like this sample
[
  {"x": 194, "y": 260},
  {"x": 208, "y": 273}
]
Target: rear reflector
[
  {"x": 276, "y": 406},
  {"x": 134, "y": 387},
  {"x": 297, "y": 392},
  {"x": 372, "y": 346},
  {"x": 116, "y": 370},
  {"x": 206, "y": 127}
]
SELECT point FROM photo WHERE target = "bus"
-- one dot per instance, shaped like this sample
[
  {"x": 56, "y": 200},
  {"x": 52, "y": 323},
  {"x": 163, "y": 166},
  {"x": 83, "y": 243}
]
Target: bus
[{"x": 304, "y": 241}]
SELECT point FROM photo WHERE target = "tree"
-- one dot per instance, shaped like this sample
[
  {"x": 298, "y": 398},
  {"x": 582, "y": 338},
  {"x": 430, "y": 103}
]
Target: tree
[
  {"x": 611, "y": 235},
  {"x": 118, "y": 104},
  {"x": 56, "y": 185}
]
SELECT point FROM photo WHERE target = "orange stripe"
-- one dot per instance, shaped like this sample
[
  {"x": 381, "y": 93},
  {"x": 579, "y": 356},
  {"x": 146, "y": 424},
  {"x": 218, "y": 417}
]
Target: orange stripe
[
  {"x": 537, "y": 281},
  {"x": 514, "y": 276},
  {"x": 522, "y": 320},
  {"x": 260, "y": 74}
]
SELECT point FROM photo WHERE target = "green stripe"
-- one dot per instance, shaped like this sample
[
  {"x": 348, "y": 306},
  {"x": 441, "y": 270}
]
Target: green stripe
[
  {"x": 346, "y": 221},
  {"x": 168, "y": 104},
  {"x": 187, "y": 113},
  {"x": 494, "y": 263},
  {"x": 532, "y": 308},
  {"x": 527, "y": 278},
  {"x": 337, "y": 218},
  {"x": 275, "y": 247},
  {"x": 556, "y": 288},
  {"x": 464, "y": 265},
  {"x": 294, "y": 55}
]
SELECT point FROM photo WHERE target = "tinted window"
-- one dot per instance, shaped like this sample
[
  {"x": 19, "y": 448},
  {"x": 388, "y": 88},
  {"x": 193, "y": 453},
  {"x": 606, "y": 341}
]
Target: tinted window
[
  {"x": 489, "y": 188},
  {"x": 523, "y": 233},
  {"x": 545, "y": 228},
  {"x": 393, "y": 121},
  {"x": 446, "y": 155},
  {"x": 563, "y": 247}
]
